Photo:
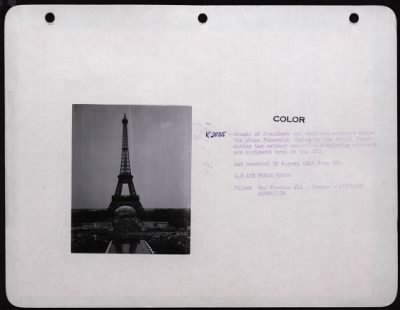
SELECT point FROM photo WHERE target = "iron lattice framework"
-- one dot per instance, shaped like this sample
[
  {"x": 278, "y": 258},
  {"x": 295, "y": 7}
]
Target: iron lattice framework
[
  {"x": 125, "y": 177},
  {"x": 125, "y": 163}
]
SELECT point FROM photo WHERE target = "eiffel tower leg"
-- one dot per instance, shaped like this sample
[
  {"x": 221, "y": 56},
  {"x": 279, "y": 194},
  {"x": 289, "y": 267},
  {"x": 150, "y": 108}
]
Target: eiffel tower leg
[
  {"x": 118, "y": 190},
  {"x": 131, "y": 189}
]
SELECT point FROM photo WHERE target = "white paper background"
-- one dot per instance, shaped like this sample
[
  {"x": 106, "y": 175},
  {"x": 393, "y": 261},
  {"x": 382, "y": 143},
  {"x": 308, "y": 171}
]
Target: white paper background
[{"x": 243, "y": 66}]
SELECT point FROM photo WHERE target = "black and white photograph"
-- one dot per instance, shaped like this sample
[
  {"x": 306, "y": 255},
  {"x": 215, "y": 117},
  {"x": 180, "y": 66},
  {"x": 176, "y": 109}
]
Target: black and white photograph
[{"x": 131, "y": 169}]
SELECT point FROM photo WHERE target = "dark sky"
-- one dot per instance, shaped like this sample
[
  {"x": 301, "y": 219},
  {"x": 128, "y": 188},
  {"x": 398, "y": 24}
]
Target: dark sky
[{"x": 159, "y": 148}]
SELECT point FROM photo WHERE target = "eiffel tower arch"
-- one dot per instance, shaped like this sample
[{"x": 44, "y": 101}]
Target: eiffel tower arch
[{"x": 125, "y": 178}]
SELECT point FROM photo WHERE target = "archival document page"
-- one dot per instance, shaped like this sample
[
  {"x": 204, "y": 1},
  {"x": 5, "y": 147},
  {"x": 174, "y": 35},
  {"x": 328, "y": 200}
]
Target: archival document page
[{"x": 281, "y": 139}]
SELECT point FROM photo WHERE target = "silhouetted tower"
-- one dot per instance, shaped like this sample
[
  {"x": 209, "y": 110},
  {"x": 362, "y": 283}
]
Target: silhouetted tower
[{"x": 125, "y": 178}]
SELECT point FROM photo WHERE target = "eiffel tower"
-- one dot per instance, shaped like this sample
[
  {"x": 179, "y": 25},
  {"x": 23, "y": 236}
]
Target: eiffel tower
[{"x": 125, "y": 178}]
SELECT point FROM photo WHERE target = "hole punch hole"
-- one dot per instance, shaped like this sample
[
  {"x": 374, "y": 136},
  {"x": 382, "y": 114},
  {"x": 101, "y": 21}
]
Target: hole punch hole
[
  {"x": 49, "y": 17},
  {"x": 354, "y": 18},
  {"x": 202, "y": 18}
]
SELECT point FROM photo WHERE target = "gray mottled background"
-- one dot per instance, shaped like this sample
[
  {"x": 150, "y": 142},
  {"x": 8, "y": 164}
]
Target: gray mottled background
[{"x": 159, "y": 148}]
